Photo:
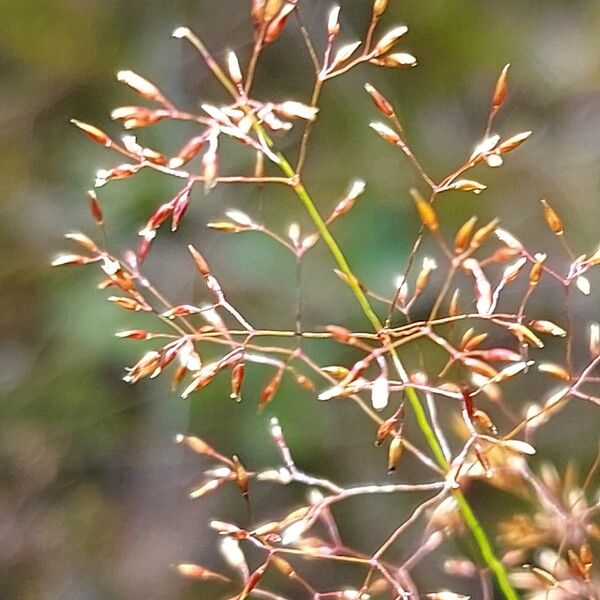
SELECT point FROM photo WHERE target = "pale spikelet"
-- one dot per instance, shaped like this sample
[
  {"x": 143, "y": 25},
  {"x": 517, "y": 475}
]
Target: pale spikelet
[
  {"x": 344, "y": 54},
  {"x": 467, "y": 185},
  {"x": 512, "y": 370},
  {"x": 380, "y": 393},
  {"x": 556, "y": 397},
  {"x": 401, "y": 285},
  {"x": 583, "y": 285},
  {"x": 429, "y": 265},
  {"x": 379, "y": 7},
  {"x": 394, "y": 453},
  {"x": 594, "y": 344},
  {"x": 330, "y": 393},
  {"x": 485, "y": 146},
  {"x": 549, "y": 327},
  {"x": 390, "y": 39},
  {"x": 207, "y": 488},
  {"x": 233, "y": 66},
  {"x": 395, "y": 60},
  {"x": 333, "y": 22},
  {"x": 513, "y": 142},
  {"x": 483, "y": 289},
  {"x": 296, "y": 110},
  {"x": 140, "y": 85},
  {"x": 293, "y": 533},
  {"x": 509, "y": 239},
  {"x": 71, "y": 259},
  {"x": 554, "y": 370},
  {"x": 388, "y": 134},
  {"x": 241, "y": 218},
  {"x": 511, "y": 272},
  {"x": 446, "y": 595},
  {"x": 350, "y": 594},
  {"x": 232, "y": 553},
  {"x": 518, "y": 446}
]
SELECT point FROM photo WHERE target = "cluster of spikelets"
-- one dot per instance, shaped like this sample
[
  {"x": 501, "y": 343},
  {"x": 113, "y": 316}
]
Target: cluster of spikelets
[{"x": 548, "y": 553}]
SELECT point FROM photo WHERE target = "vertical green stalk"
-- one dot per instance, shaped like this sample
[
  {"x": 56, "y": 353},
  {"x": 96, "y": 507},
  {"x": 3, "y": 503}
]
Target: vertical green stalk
[{"x": 485, "y": 547}]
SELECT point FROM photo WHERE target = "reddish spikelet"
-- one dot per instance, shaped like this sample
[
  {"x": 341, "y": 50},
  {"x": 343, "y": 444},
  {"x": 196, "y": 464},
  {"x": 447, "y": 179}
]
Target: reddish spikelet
[
  {"x": 242, "y": 479},
  {"x": 134, "y": 334},
  {"x": 196, "y": 444},
  {"x": 134, "y": 117},
  {"x": 192, "y": 571},
  {"x": 237, "y": 378},
  {"x": 380, "y": 101},
  {"x": 191, "y": 149},
  {"x": 199, "y": 261},
  {"x": 253, "y": 581},
  {"x": 552, "y": 219},
  {"x": 95, "y": 207},
  {"x": 478, "y": 366},
  {"x": 270, "y": 389},
  {"x": 305, "y": 383},
  {"x": 463, "y": 236},
  {"x": 277, "y": 24},
  {"x": 180, "y": 205},
  {"x": 388, "y": 427},
  {"x": 500, "y": 354},
  {"x": 341, "y": 334},
  {"x": 426, "y": 212},
  {"x": 129, "y": 304},
  {"x": 94, "y": 133},
  {"x": 501, "y": 89},
  {"x": 536, "y": 270},
  {"x": 119, "y": 172},
  {"x": 454, "y": 308},
  {"x": 72, "y": 259},
  {"x": 346, "y": 203},
  {"x": 264, "y": 10}
]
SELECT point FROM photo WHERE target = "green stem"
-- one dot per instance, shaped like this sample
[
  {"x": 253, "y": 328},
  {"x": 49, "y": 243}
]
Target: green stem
[{"x": 469, "y": 517}]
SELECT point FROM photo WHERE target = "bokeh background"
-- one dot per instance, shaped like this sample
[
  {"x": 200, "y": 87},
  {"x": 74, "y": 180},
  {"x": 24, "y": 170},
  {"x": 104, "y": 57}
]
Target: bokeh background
[{"x": 92, "y": 489}]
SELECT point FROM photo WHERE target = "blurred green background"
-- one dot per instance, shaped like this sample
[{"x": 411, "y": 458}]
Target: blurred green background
[{"x": 92, "y": 490}]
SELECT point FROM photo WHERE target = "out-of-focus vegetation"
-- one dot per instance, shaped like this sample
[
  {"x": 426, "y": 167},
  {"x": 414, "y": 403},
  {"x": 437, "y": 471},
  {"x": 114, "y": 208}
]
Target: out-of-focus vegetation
[{"x": 92, "y": 490}]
